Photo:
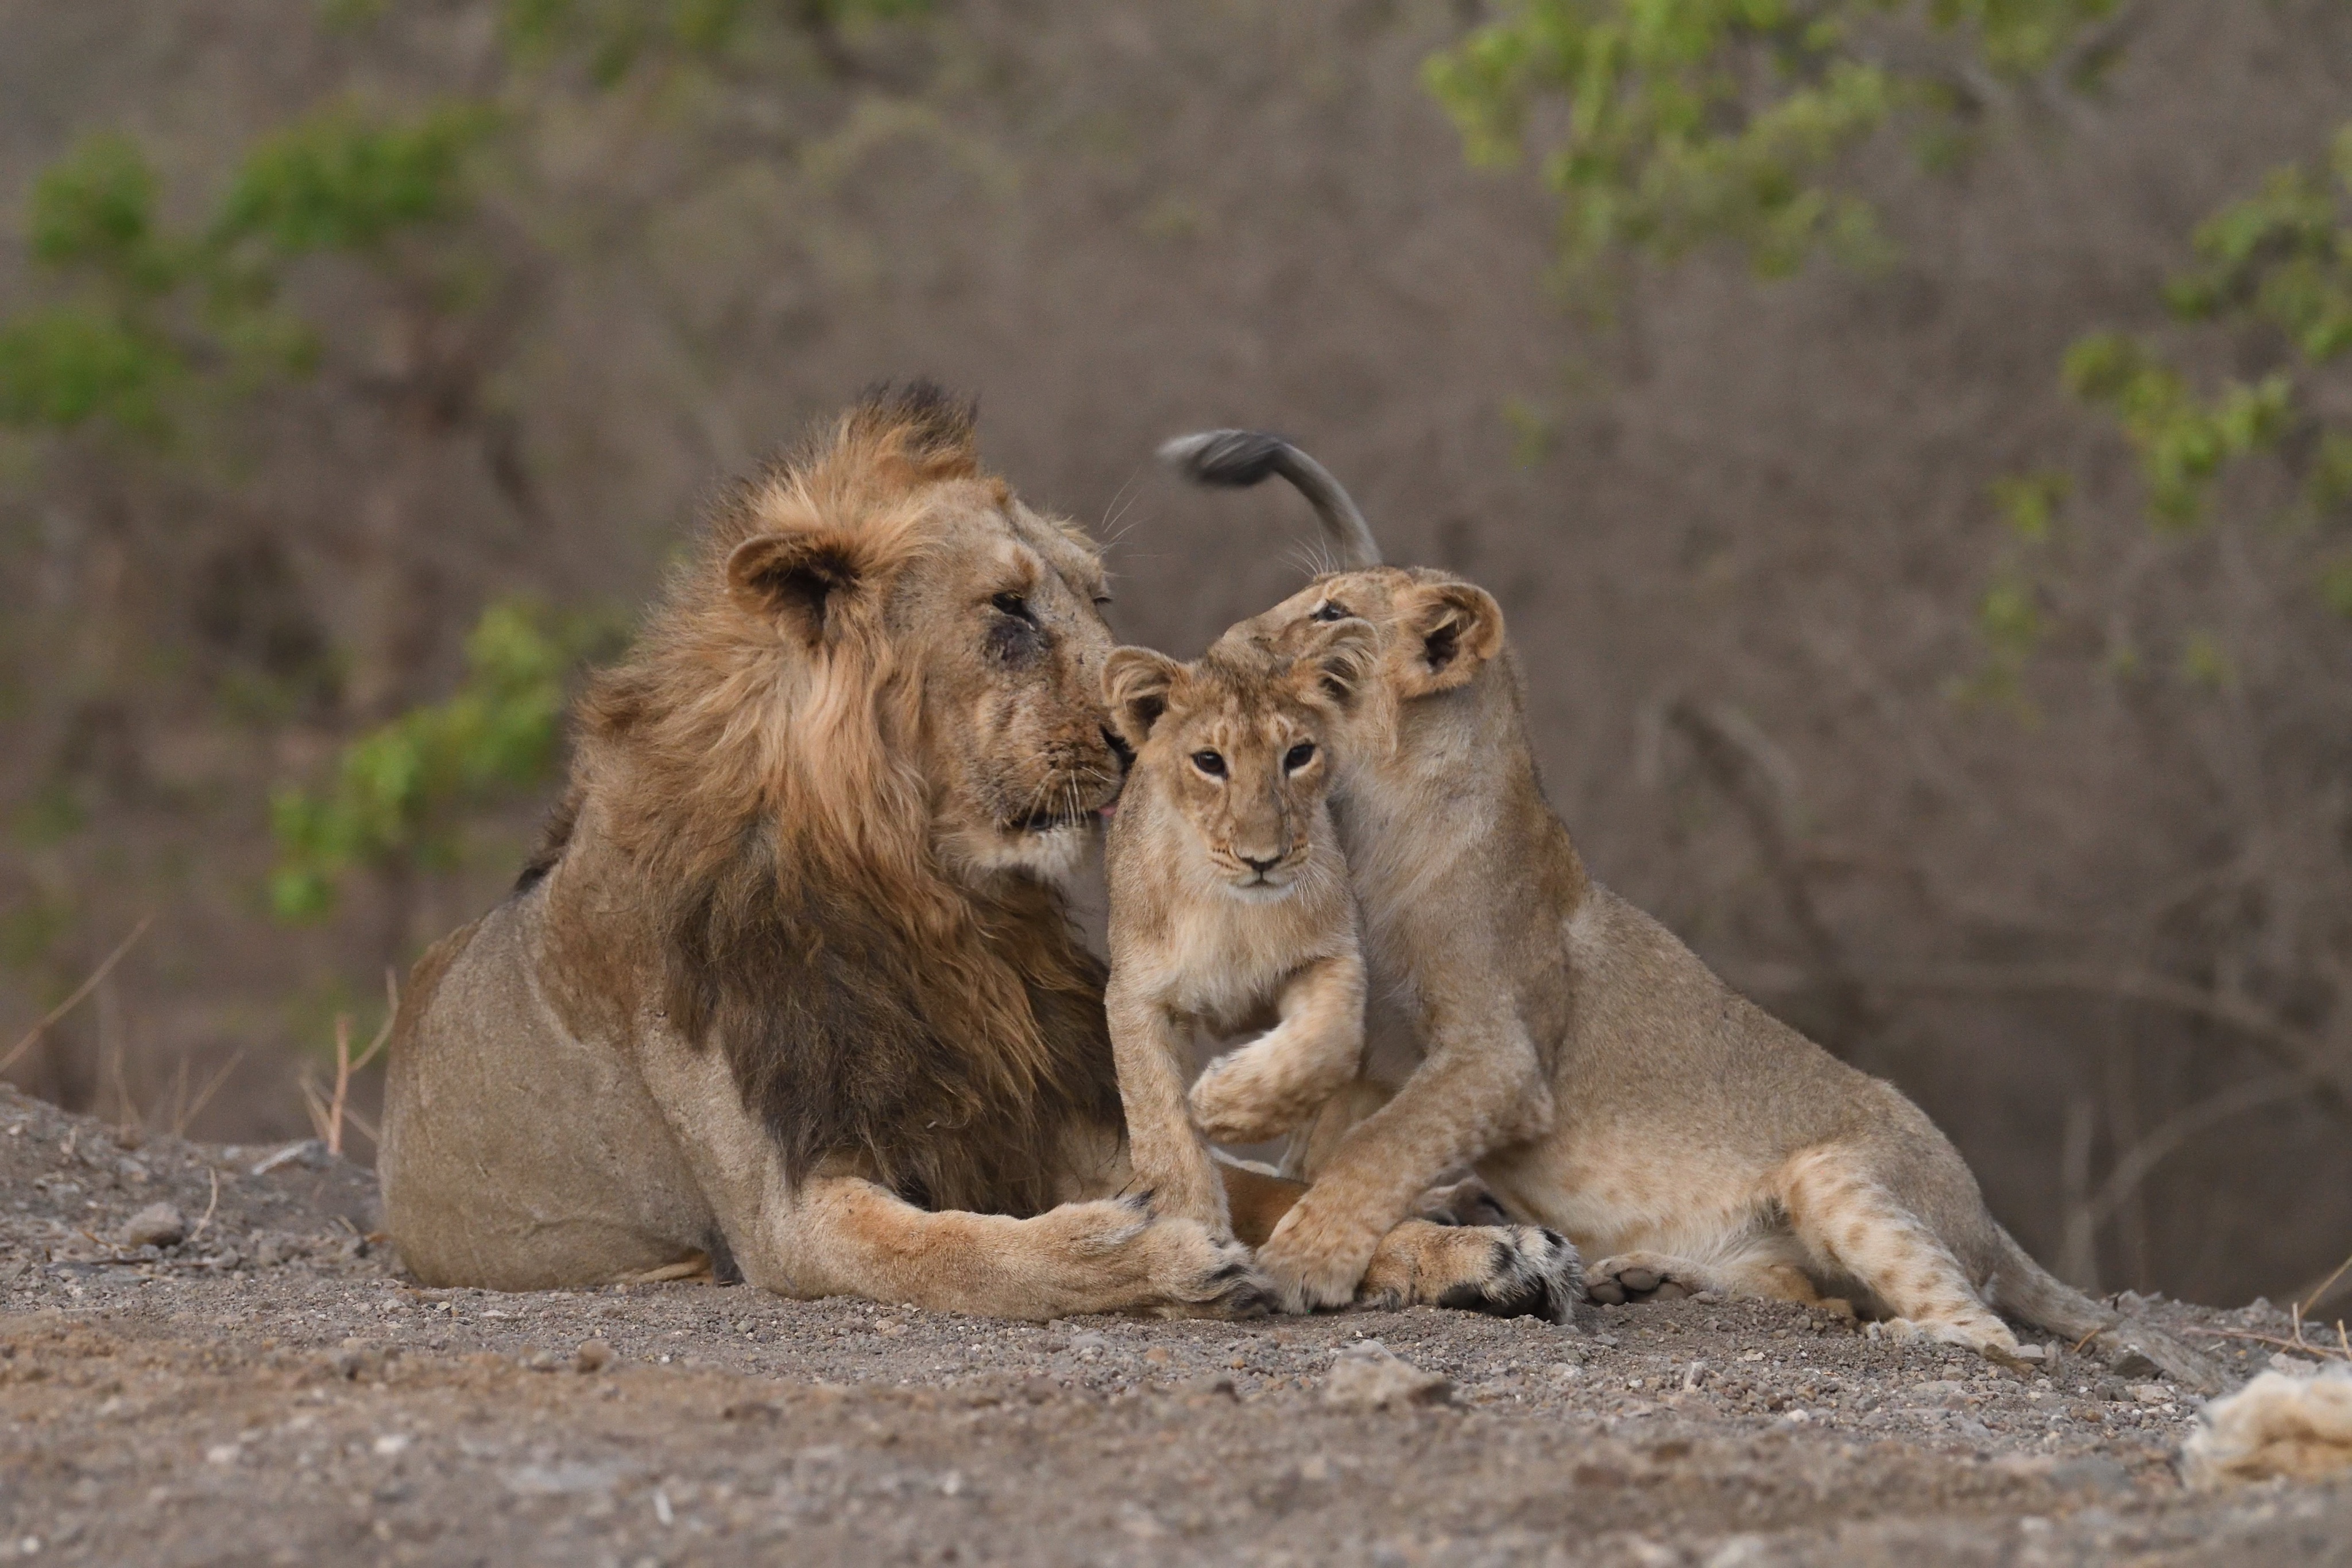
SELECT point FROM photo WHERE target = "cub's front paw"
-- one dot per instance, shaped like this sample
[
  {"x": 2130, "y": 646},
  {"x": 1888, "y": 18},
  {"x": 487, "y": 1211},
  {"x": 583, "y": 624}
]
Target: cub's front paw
[
  {"x": 1530, "y": 1272},
  {"x": 1317, "y": 1260}
]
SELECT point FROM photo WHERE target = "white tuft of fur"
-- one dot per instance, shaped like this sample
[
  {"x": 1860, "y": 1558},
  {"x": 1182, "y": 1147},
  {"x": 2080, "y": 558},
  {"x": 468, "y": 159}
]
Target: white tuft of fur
[{"x": 2299, "y": 1425}]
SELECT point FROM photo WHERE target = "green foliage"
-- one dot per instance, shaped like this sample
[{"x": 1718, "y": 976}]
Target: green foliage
[
  {"x": 1667, "y": 125},
  {"x": 400, "y": 792},
  {"x": 145, "y": 317},
  {"x": 340, "y": 181},
  {"x": 2278, "y": 262},
  {"x": 614, "y": 36}
]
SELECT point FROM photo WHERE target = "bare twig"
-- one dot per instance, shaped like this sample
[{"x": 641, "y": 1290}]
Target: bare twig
[
  {"x": 215, "y": 1172},
  {"x": 189, "y": 1113},
  {"x": 63, "y": 1008},
  {"x": 2173, "y": 1132},
  {"x": 2319, "y": 1292},
  {"x": 2296, "y": 1050},
  {"x": 2298, "y": 1343}
]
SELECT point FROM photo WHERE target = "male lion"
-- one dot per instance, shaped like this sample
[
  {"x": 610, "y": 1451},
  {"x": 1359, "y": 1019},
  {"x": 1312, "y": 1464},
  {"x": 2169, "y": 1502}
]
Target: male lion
[
  {"x": 791, "y": 986},
  {"x": 1600, "y": 1078}
]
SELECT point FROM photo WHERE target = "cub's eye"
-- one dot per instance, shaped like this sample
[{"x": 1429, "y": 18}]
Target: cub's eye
[
  {"x": 1012, "y": 604},
  {"x": 1299, "y": 756},
  {"x": 1329, "y": 610},
  {"x": 1209, "y": 763}
]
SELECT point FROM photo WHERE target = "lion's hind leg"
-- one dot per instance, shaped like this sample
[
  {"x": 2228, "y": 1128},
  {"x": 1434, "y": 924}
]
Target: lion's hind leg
[{"x": 1852, "y": 1225}]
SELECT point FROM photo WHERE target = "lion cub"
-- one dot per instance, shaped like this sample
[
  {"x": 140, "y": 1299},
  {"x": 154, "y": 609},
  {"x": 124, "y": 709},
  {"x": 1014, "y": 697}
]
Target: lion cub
[
  {"x": 1599, "y": 1076},
  {"x": 1230, "y": 901}
]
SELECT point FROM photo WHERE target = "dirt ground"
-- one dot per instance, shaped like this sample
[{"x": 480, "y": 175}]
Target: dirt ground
[{"x": 268, "y": 1389}]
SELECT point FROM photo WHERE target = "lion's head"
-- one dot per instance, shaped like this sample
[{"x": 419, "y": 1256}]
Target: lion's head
[{"x": 856, "y": 747}]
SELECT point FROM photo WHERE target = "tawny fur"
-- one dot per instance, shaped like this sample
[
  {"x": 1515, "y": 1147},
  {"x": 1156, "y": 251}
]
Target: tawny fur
[
  {"x": 1229, "y": 898},
  {"x": 1600, "y": 1078},
  {"x": 793, "y": 973},
  {"x": 792, "y": 976}
]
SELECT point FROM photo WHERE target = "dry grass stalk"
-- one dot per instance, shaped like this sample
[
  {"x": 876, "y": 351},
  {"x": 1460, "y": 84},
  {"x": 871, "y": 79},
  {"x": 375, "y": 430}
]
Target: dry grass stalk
[
  {"x": 210, "y": 1206},
  {"x": 330, "y": 1111},
  {"x": 96, "y": 976},
  {"x": 2319, "y": 1294}
]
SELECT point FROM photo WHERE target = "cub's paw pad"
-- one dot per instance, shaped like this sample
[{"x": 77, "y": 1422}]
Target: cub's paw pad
[
  {"x": 1642, "y": 1276},
  {"x": 1531, "y": 1272}
]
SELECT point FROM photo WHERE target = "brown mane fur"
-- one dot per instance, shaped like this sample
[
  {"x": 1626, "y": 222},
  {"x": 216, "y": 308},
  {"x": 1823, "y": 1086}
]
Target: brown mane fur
[{"x": 771, "y": 799}]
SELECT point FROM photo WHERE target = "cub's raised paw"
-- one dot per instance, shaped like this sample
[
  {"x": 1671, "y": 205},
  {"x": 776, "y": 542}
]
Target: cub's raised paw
[{"x": 1644, "y": 1277}]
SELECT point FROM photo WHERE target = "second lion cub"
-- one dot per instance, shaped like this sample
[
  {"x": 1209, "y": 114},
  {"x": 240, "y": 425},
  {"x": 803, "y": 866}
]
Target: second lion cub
[{"x": 1230, "y": 901}]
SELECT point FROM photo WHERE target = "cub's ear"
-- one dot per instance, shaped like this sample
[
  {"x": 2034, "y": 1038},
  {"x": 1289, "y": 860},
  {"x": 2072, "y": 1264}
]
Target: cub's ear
[
  {"x": 800, "y": 580},
  {"x": 1339, "y": 660},
  {"x": 1135, "y": 685},
  {"x": 1445, "y": 633}
]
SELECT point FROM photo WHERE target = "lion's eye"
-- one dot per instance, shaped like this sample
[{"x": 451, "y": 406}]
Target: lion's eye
[
  {"x": 1209, "y": 763},
  {"x": 1329, "y": 610},
  {"x": 1299, "y": 756},
  {"x": 1012, "y": 604}
]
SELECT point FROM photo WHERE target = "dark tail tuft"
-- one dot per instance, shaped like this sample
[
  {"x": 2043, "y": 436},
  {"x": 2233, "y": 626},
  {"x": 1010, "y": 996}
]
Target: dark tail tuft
[{"x": 1236, "y": 459}]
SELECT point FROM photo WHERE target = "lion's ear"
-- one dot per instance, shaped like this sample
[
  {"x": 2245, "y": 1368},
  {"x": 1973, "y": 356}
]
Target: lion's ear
[
  {"x": 797, "y": 579},
  {"x": 1445, "y": 633},
  {"x": 1135, "y": 685},
  {"x": 1339, "y": 660}
]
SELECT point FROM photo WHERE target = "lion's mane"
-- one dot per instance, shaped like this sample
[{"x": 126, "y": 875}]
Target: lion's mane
[{"x": 772, "y": 808}]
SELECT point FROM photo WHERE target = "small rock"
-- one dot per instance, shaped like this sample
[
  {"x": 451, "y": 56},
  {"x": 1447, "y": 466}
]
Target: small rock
[
  {"x": 594, "y": 1355},
  {"x": 2150, "y": 1394},
  {"x": 1369, "y": 1376},
  {"x": 157, "y": 1225}
]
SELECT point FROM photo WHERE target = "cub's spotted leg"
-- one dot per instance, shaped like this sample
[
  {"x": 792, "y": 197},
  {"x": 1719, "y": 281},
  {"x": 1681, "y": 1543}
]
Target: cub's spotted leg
[{"x": 1847, "y": 1219}]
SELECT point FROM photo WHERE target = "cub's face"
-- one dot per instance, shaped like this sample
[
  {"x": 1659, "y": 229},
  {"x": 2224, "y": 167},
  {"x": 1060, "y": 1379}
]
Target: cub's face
[
  {"x": 1435, "y": 632},
  {"x": 1239, "y": 749}
]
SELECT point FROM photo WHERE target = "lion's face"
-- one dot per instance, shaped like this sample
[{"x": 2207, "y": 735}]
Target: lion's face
[
  {"x": 1239, "y": 746},
  {"x": 1003, "y": 620}
]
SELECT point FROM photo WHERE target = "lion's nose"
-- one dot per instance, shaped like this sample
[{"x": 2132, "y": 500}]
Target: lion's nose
[{"x": 1261, "y": 866}]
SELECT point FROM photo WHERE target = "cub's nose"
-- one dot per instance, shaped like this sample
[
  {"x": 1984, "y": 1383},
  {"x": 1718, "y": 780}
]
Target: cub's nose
[{"x": 1260, "y": 866}]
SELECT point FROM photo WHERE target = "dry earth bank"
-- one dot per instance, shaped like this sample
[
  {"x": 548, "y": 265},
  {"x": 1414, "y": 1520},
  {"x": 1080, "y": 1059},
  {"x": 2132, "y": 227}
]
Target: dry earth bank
[{"x": 267, "y": 1389}]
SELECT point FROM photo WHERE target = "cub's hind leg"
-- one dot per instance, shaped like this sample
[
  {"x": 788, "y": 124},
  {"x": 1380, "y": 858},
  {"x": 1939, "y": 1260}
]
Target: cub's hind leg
[{"x": 1852, "y": 1225}]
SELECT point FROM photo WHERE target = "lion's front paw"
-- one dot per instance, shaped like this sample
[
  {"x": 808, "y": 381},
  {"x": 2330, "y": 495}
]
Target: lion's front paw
[
  {"x": 1645, "y": 1277},
  {"x": 1123, "y": 1257}
]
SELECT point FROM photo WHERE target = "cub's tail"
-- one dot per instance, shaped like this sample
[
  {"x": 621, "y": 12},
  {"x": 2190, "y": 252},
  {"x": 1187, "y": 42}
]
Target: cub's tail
[
  {"x": 1240, "y": 458},
  {"x": 2026, "y": 1290}
]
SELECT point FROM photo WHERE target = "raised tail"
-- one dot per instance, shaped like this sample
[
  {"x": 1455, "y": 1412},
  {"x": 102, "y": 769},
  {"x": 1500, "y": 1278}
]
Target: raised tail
[
  {"x": 2029, "y": 1293},
  {"x": 1240, "y": 458}
]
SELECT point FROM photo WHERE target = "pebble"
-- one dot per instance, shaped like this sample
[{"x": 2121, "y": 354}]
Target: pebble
[
  {"x": 1368, "y": 1375},
  {"x": 157, "y": 1225}
]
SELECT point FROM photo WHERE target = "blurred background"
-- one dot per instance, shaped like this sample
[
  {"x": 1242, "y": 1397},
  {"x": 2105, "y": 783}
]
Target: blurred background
[{"x": 1913, "y": 448}]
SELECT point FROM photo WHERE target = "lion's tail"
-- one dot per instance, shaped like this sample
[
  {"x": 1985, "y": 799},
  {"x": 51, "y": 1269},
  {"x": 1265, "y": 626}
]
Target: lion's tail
[
  {"x": 1240, "y": 458},
  {"x": 2027, "y": 1292}
]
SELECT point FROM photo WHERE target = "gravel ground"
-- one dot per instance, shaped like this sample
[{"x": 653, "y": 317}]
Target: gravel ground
[{"x": 268, "y": 1389}]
